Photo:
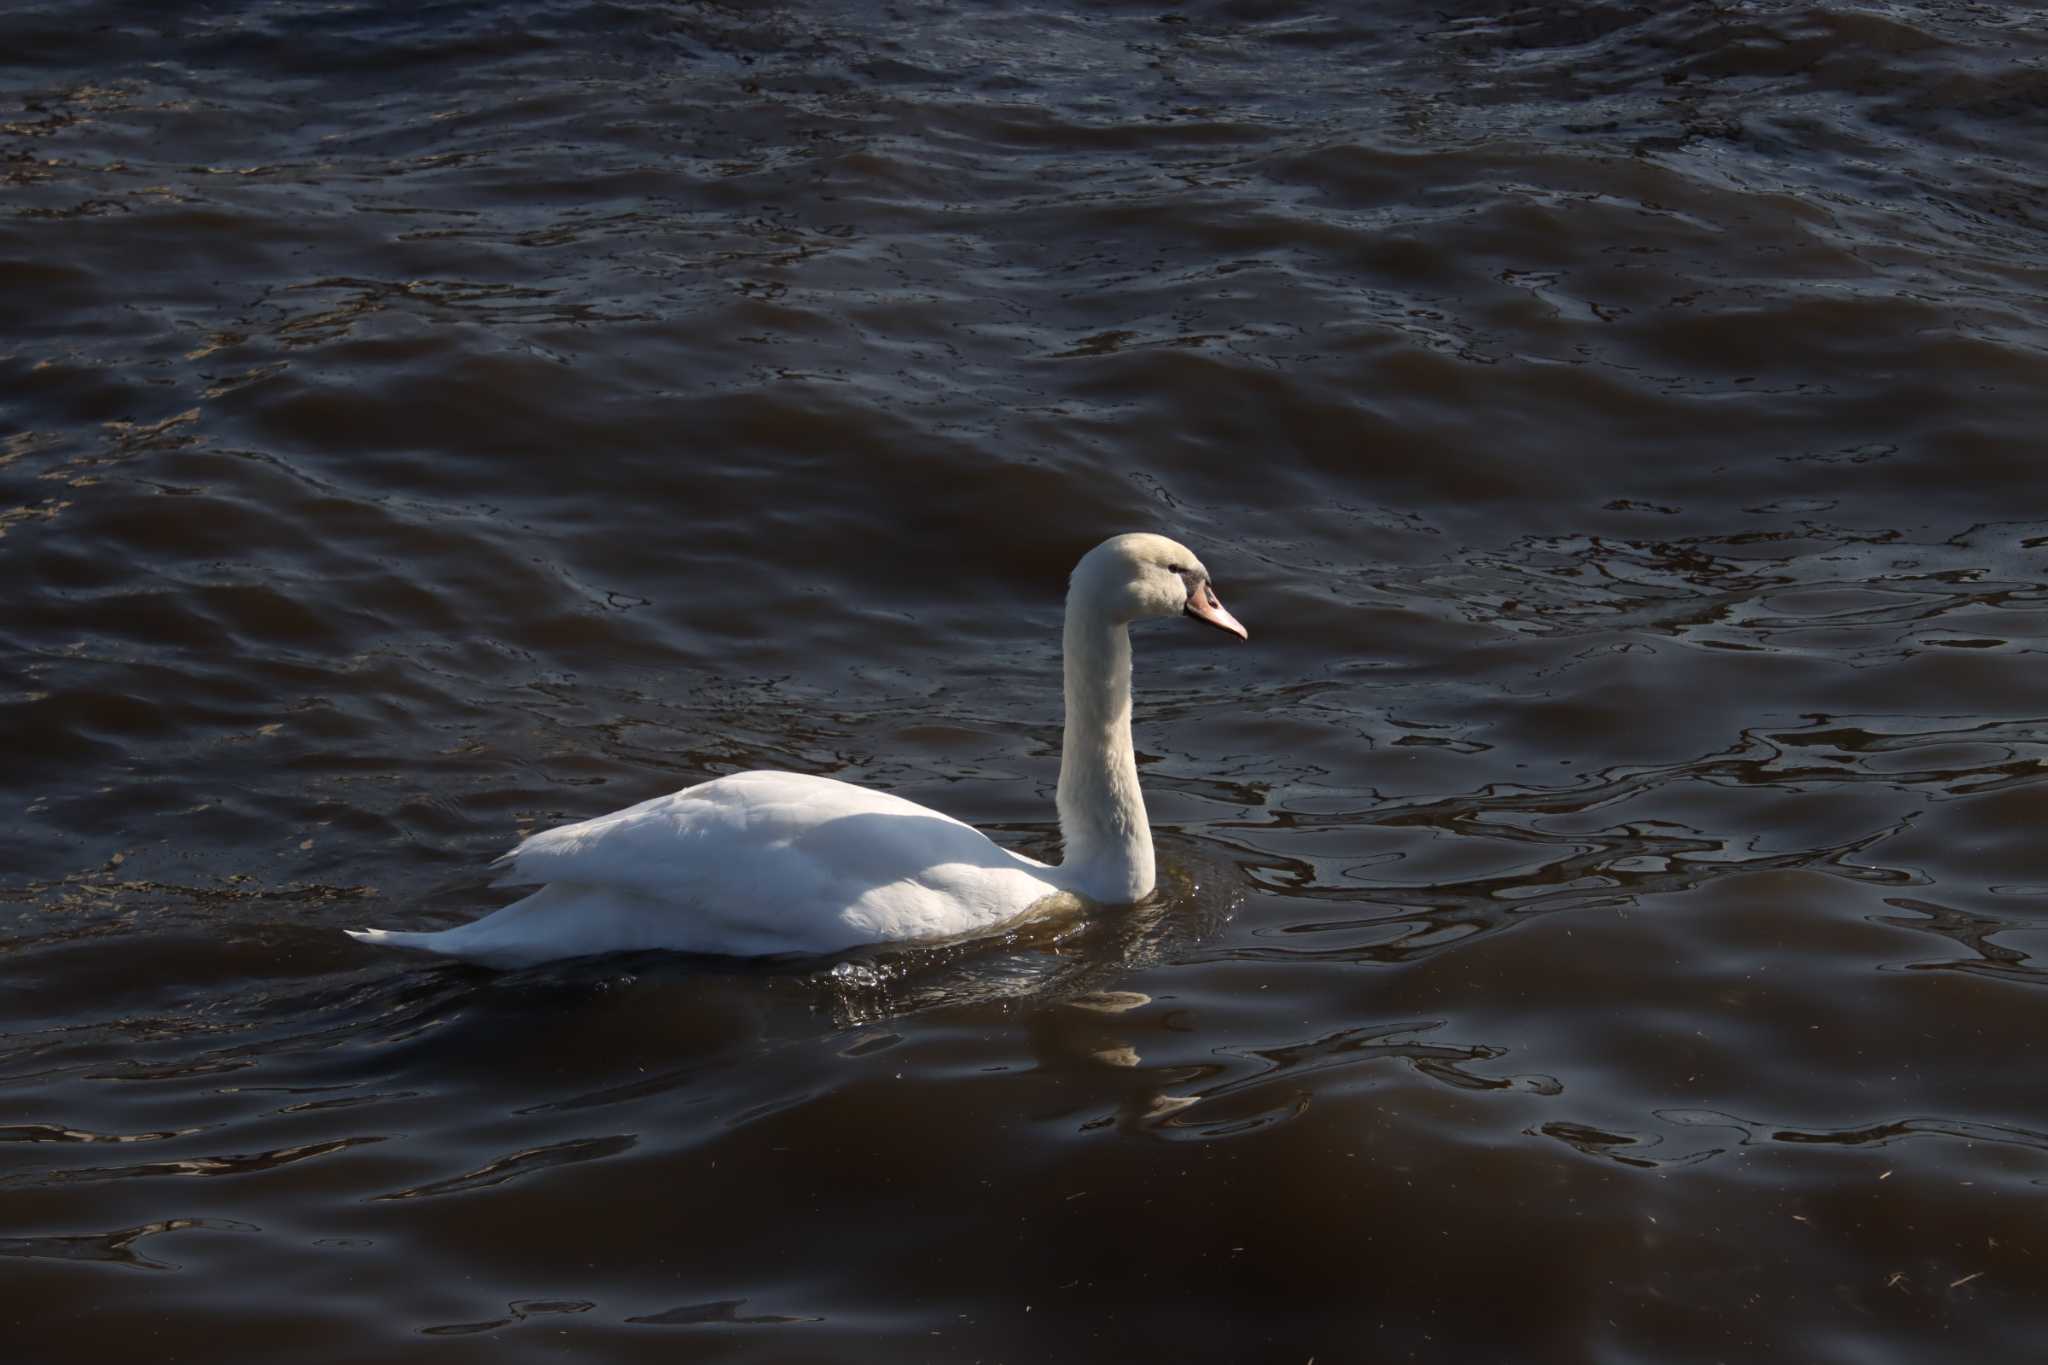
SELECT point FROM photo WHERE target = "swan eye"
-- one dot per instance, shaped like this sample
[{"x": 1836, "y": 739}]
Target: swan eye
[{"x": 1177, "y": 568}]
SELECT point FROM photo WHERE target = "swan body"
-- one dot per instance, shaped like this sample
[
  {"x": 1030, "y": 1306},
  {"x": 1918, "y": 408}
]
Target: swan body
[{"x": 775, "y": 862}]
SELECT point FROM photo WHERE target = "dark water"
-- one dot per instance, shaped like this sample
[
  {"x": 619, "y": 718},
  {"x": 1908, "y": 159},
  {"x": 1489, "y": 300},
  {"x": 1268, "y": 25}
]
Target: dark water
[{"x": 1606, "y": 912}]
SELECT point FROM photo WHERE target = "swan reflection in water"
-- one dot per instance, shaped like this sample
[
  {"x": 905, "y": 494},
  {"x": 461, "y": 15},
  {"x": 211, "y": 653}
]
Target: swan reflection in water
[{"x": 744, "y": 1034}]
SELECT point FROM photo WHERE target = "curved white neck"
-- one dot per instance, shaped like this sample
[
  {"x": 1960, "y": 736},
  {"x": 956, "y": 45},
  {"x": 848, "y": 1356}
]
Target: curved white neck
[{"x": 1102, "y": 812}]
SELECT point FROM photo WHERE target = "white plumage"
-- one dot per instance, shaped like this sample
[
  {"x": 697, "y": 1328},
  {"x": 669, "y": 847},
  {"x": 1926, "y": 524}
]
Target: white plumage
[{"x": 773, "y": 862}]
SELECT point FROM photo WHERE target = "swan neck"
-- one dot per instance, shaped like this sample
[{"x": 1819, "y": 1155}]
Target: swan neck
[{"x": 1102, "y": 810}]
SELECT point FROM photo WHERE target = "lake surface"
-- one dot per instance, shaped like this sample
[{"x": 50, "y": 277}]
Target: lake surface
[{"x": 1604, "y": 914}]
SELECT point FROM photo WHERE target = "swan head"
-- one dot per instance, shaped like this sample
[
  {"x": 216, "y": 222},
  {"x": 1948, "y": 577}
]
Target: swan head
[{"x": 1130, "y": 577}]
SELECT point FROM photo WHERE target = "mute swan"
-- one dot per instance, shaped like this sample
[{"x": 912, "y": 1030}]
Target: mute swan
[{"x": 771, "y": 862}]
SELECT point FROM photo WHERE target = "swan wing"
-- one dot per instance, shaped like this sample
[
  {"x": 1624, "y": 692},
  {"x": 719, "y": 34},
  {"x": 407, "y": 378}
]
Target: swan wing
[
  {"x": 817, "y": 862},
  {"x": 660, "y": 843}
]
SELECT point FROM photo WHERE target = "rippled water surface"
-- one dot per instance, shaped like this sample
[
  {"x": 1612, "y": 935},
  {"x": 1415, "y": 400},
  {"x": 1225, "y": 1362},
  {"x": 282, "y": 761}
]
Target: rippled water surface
[{"x": 1604, "y": 913}]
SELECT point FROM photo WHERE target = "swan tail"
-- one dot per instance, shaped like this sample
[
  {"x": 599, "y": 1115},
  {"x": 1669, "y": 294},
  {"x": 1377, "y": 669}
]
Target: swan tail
[
  {"x": 433, "y": 942},
  {"x": 552, "y": 922}
]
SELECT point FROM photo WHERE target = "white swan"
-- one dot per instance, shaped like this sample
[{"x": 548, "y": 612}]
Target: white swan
[{"x": 769, "y": 862}]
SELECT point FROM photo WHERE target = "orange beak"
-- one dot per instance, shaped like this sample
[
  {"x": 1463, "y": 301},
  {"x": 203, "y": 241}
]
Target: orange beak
[{"x": 1204, "y": 606}]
